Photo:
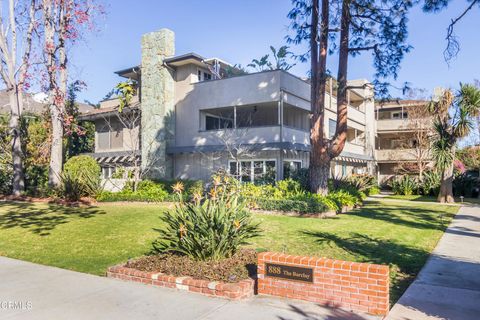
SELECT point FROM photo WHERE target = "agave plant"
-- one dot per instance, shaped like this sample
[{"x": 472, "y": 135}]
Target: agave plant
[{"x": 211, "y": 227}]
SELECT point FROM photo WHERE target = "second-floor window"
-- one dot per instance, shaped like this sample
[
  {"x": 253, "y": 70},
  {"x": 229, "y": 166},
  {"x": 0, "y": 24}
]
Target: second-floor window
[
  {"x": 216, "y": 123},
  {"x": 399, "y": 115},
  {"x": 203, "y": 75},
  {"x": 110, "y": 136}
]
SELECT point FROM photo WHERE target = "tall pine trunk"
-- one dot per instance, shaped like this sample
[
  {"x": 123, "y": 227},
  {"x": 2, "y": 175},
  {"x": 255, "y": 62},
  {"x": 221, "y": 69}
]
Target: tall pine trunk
[
  {"x": 18, "y": 179},
  {"x": 319, "y": 158}
]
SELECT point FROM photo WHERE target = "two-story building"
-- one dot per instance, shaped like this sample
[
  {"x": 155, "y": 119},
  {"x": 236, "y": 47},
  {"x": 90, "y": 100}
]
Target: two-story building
[{"x": 196, "y": 119}]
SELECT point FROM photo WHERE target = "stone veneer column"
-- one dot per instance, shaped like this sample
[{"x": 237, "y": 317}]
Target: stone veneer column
[{"x": 158, "y": 107}]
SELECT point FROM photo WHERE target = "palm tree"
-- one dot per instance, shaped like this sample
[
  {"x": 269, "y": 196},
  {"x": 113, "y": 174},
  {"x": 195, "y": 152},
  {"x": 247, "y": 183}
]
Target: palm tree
[{"x": 454, "y": 119}]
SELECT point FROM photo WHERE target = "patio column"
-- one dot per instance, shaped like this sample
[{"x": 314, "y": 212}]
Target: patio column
[
  {"x": 235, "y": 117},
  {"x": 280, "y": 122}
]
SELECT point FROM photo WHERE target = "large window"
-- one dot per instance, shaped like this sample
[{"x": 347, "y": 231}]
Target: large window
[
  {"x": 215, "y": 123},
  {"x": 290, "y": 167},
  {"x": 110, "y": 136},
  {"x": 256, "y": 171}
]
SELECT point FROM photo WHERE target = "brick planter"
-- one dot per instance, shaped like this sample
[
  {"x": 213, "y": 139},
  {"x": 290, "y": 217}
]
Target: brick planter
[
  {"x": 355, "y": 286},
  {"x": 239, "y": 290}
]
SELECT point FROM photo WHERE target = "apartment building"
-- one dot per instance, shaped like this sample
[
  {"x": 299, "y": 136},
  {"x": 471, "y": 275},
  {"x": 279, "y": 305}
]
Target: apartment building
[
  {"x": 403, "y": 134},
  {"x": 196, "y": 118}
]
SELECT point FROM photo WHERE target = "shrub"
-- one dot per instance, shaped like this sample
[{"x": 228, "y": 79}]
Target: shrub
[
  {"x": 147, "y": 191},
  {"x": 36, "y": 180},
  {"x": 5, "y": 179},
  {"x": 74, "y": 187},
  {"x": 430, "y": 183},
  {"x": 404, "y": 185},
  {"x": 301, "y": 176},
  {"x": 211, "y": 229},
  {"x": 362, "y": 182},
  {"x": 372, "y": 191},
  {"x": 343, "y": 199},
  {"x": 85, "y": 170},
  {"x": 464, "y": 185}
]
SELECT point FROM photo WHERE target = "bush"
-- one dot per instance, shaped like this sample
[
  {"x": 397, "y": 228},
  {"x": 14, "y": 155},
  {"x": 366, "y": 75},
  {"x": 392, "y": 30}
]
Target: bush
[
  {"x": 36, "y": 180},
  {"x": 302, "y": 177},
  {"x": 404, "y": 185},
  {"x": 74, "y": 187},
  {"x": 6, "y": 179},
  {"x": 287, "y": 205},
  {"x": 344, "y": 199},
  {"x": 465, "y": 185},
  {"x": 85, "y": 170},
  {"x": 430, "y": 184},
  {"x": 211, "y": 229},
  {"x": 147, "y": 191}
]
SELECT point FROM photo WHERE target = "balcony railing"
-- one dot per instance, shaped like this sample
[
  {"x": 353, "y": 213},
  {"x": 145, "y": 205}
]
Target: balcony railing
[{"x": 393, "y": 155}]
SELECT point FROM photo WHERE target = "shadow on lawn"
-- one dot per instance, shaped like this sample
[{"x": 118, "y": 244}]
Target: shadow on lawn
[
  {"x": 41, "y": 219},
  {"x": 407, "y": 260},
  {"x": 409, "y": 216}
]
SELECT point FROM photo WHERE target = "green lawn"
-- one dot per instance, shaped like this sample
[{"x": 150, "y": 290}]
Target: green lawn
[
  {"x": 91, "y": 239},
  {"x": 431, "y": 198}
]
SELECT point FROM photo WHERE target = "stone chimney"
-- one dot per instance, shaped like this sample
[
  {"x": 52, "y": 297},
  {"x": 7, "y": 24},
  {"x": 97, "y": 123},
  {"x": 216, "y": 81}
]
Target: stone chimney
[{"x": 158, "y": 107}]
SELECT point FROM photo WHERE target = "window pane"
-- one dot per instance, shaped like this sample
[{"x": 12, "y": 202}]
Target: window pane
[
  {"x": 211, "y": 123},
  {"x": 258, "y": 168},
  {"x": 116, "y": 137},
  {"x": 332, "y": 124},
  {"x": 233, "y": 169},
  {"x": 289, "y": 167},
  {"x": 246, "y": 171}
]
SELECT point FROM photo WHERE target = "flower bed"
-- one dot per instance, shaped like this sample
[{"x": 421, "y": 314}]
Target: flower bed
[{"x": 214, "y": 278}]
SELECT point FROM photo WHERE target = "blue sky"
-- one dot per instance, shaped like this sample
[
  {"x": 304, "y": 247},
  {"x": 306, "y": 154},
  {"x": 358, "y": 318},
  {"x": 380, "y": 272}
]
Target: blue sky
[{"x": 238, "y": 31}]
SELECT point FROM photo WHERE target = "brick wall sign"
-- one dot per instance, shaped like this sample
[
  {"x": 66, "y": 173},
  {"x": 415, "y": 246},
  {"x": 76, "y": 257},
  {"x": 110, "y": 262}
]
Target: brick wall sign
[{"x": 354, "y": 286}]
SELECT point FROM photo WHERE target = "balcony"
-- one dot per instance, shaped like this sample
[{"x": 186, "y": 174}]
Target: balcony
[
  {"x": 396, "y": 155},
  {"x": 392, "y": 125}
]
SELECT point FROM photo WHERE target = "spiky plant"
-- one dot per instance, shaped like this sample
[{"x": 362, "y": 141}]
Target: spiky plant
[
  {"x": 454, "y": 118},
  {"x": 211, "y": 227}
]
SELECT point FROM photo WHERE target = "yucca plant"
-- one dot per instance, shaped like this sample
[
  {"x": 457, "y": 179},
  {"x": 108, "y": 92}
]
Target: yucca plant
[
  {"x": 454, "y": 118},
  {"x": 211, "y": 227},
  {"x": 404, "y": 185}
]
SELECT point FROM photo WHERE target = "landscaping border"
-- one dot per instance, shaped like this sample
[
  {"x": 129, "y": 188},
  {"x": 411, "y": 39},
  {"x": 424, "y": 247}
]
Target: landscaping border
[
  {"x": 351, "y": 285},
  {"x": 234, "y": 291}
]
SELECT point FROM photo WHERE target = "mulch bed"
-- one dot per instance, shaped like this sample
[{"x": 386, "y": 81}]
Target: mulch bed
[
  {"x": 84, "y": 201},
  {"x": 241, "y": 265}
]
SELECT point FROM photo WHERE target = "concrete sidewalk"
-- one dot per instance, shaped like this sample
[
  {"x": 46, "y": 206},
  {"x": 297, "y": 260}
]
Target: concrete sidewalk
[
  {"x": 61, "y": 294},
  {"x": 448, "y": 287}
]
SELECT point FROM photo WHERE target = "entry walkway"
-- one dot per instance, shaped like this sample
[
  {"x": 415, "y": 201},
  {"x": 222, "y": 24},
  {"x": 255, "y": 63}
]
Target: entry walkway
[
  {"x": 61, "y": 294},
  {"x": 448, "y": 287}
]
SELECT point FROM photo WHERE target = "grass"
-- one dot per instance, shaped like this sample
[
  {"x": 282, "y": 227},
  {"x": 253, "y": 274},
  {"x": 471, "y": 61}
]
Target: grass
[
  {"x": 431, "y": 198},
  {"x": 91, "y": 239}
]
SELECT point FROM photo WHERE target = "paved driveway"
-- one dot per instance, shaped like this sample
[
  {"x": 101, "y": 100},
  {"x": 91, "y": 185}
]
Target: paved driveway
[
  {"x": 448, "y": 287},
  {"x": 61, "y": 294}
]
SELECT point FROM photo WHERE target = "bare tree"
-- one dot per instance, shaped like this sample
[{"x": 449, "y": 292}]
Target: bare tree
[
  {"x": 419, "y": 123},
  {"x": 17, "y": 28}
]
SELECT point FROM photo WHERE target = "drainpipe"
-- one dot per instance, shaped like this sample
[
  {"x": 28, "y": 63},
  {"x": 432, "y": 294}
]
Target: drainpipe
[{"x": 280, "y": 122}]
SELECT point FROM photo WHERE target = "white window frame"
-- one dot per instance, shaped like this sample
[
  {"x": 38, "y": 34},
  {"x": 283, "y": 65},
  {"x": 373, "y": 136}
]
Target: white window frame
[
  {"x": 291, "y": 160},
  {"x": 202, "y": 73},
  {"x": 252, "y": 167}
]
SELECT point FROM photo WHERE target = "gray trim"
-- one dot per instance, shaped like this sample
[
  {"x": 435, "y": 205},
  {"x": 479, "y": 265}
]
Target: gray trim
[
  {"x": 255, "y": 146},
  {"x": 128, "y": 70},
  {"x": 185, "y": 56}
]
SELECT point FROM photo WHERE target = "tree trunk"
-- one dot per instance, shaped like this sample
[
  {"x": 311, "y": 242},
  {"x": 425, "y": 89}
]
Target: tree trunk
[
  {"x": 18, "y": 180},
  {"x": 56, "y": 154},
  {"x": 318, "y": 175},
  {"x": 446, "y": 186},
  {"x": 319, "y": 159},
  {"x": 340, "y": 137}
]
